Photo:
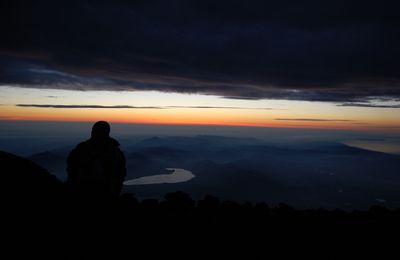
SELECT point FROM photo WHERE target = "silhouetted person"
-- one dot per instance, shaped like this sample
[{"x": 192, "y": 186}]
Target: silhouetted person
[{"x": 96, "y": 167}]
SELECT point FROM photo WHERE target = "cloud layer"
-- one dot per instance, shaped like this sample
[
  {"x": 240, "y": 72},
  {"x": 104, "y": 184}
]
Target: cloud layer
[
  {"x": 334, "y": 50},
  {"x": 81, "y": 106},
  {"x": 135, "y": 107},
  {"x": 313, "y": 120}
]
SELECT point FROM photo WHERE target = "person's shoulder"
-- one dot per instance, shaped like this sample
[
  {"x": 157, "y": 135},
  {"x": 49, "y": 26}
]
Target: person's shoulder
[
  {"x": 84, "y": 143},
  {"x": 116, "y": 147},
  {"x": 113, "y": 142},
  {"x": 82, "y": 146},
  {"x": 79, "y": 150}
]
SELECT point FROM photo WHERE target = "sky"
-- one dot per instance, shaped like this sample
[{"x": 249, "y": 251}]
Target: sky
[{"x": 295, "y": 64}]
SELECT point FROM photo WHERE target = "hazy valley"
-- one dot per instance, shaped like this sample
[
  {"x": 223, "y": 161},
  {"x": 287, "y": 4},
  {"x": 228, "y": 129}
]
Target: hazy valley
[{"x": 318, "y": 174}]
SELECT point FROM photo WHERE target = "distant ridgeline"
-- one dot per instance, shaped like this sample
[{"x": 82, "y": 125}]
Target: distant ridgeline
[
  {"x": 36, "y": 201},
  {"x": 29, "y": 184},
  {"x": 305, "y": 175}
]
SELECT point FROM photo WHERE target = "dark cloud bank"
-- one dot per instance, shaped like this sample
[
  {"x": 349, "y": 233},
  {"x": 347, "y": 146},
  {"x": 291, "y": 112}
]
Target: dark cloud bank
[{"x": 340, "y": 51}]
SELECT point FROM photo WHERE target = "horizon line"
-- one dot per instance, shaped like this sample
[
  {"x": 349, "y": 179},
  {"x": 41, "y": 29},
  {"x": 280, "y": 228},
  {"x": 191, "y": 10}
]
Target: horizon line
[{"x": 191, "y": 124}]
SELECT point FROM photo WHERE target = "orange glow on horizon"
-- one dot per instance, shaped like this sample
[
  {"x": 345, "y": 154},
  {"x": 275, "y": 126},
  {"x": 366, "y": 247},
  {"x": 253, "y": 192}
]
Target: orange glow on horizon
[
  {"x": 206, "y": 117},
  {"x": 270, "y": 124}
]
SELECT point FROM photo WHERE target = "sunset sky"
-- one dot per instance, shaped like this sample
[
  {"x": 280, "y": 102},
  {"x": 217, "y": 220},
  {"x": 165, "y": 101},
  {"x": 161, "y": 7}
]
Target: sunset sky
[
  {"x": 173, "y": 108},
  {"x": 302, "y": 64}
]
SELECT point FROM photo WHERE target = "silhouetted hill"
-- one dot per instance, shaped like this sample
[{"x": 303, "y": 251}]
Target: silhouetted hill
[
  {"x": 25, "y": 173},
  {"x": 53, "y": 162},
  {"x": 27, "y": 183},
  {"x": 163, "y": 152},
  {"x": 240, "y": 183}
]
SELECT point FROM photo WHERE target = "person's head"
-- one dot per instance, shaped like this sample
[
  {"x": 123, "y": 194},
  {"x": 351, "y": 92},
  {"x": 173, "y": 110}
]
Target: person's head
[{"x": 101, "y": 129}]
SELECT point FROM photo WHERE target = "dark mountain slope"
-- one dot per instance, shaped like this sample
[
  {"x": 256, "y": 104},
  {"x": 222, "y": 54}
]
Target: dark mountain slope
[
  {"x": 23, "y": 181},
  {"x": 54, "y": 163}
]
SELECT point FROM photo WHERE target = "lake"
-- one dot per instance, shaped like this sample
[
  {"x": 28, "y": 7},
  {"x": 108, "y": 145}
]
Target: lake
[
  {"x": 380, "y": 145},
  {"x": 178, "y": 175}
]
